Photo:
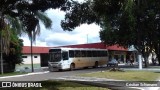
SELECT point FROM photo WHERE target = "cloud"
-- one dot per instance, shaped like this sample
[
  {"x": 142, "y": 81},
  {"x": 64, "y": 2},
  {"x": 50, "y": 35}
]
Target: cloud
[{"x": 57, "y": 37}]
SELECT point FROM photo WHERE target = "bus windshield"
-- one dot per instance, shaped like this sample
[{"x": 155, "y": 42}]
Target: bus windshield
[{"x": 55, "y": 56}]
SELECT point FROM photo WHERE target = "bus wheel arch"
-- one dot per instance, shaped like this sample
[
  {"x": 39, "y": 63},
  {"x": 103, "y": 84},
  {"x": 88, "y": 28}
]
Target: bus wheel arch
[{"x": 72, "y": 66}]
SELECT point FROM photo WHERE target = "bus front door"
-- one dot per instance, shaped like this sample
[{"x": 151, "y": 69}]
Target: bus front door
[{"x": 65, "y": 58}]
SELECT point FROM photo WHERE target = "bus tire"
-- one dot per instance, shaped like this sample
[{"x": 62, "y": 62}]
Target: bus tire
[
  {"x": 96, "y": 64},
  {"x": 72, "y": 66}
]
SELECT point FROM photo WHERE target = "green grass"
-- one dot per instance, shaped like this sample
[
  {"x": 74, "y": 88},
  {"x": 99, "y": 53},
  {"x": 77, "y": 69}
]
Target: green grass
[
  {"x": 12, "y": 73},
  {"x": 61, "y": 85},
  {"x": 127, "y": 75}
]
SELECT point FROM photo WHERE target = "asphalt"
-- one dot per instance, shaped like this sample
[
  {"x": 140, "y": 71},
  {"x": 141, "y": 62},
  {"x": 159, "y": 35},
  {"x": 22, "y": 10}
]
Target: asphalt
[{"x": 103, "y": 82}]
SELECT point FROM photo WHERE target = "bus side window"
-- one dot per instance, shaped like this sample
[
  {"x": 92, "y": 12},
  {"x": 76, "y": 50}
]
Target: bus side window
[
  {"x": 77, "y": 53},
  {"x": 89, "y": 53},
  {"x": 65, "y": 55},
  {"x": 99, "y": 54},
  {"x": 83, "y": 53},
  {"x": 95, "y": 54},
  {"x": 71, "y": 53},
  {"x": 106, "y": 53}
]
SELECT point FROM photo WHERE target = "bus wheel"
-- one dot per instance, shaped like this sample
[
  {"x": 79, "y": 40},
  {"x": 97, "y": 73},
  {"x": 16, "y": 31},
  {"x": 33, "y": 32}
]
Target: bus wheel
[
  {"x": 96, "y": 64},
  {"x": 72, "y": 66}
]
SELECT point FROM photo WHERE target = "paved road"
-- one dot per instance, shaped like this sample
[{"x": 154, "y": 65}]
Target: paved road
[
  {"x": 52, "y": 75},
  {"x": 55, "y": 75}
]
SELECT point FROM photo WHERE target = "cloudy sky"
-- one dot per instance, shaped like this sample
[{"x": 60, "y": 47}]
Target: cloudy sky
[{"x": 57, "y": 37}]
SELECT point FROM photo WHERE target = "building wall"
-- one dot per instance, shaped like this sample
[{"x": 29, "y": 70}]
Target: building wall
[
  {"x": 27, "y": 59},
  {"x": 27, "y": 62}
]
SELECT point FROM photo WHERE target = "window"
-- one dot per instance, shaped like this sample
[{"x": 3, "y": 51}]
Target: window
[
  {"x": 103, "y": 53},
  {"x": 83, "y": 53},
  {"x": 106, "y": 53},
  {"x": 98, "y": 53},
  {"x": 77, "y": 53},
  {"x": 89, "y": 53},
  {"x": 71, "y": 53},
  {"x": 65, "y": 55},
  {"x": 35, "y": 56},
  {"x": 95, "y": 53},
  {"x": 24, "y": 56}
]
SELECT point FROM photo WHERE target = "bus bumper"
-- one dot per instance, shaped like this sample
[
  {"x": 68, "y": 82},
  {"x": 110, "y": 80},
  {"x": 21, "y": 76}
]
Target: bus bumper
[{"x": 52, "y": 69}]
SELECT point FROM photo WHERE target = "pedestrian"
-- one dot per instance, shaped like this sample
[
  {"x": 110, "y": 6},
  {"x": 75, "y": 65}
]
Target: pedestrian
[{"x": 131, "y": 61}]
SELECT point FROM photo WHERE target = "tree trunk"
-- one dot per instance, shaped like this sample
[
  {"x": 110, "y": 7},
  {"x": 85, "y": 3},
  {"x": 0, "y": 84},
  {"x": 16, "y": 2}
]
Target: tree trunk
[
  {"x": 146, "y": 64},
  {"x": 146, "y": 61}
]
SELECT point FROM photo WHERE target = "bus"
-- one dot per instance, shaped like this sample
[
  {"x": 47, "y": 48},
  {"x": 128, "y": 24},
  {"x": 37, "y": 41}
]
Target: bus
[{"x": 74, "y": 58}]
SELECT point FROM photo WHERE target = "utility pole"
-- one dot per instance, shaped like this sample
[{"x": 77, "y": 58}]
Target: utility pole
[
  {"x": 87, "y": 38},
  {"x": 1, "y": 55},
  {"x": 1, "y": 43},
  {"x": 32, "y": 53}
]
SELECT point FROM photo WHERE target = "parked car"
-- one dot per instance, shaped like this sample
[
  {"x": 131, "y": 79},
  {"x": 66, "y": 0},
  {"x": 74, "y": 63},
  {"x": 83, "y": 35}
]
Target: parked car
[{"x": 113, "y": 62}]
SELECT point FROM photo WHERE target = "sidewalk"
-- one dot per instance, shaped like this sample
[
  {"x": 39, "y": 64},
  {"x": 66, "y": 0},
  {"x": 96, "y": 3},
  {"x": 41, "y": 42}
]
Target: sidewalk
[{"x": 136, "y": 67}]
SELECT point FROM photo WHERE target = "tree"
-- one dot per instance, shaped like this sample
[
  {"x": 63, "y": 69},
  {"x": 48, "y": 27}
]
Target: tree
[
  {"x": 28, "y": 13},
  {"x": 11, "y": 33},
  {"x": 123, "y": 22},
  {"x": 138, "y": 25},
  {"x": 15, "y": 52},
  {"x": 34, "y": 28}
]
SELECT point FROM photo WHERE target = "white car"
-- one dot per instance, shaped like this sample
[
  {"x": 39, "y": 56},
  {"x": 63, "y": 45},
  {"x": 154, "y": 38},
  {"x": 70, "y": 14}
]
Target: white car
[{"x": 113, "y": 62}]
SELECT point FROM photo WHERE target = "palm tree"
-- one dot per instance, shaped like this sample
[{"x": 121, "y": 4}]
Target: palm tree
[
  {"x": 29, "y": 25},
  {"x": 34, "y": 28},
  {"x": 4, "y": 38}
]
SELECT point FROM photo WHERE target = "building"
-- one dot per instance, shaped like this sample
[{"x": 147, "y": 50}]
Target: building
[{"x": 41, "y": 56}]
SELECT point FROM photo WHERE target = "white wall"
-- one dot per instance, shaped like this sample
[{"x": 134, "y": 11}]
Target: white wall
[{"x": 27, "y": 60}]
